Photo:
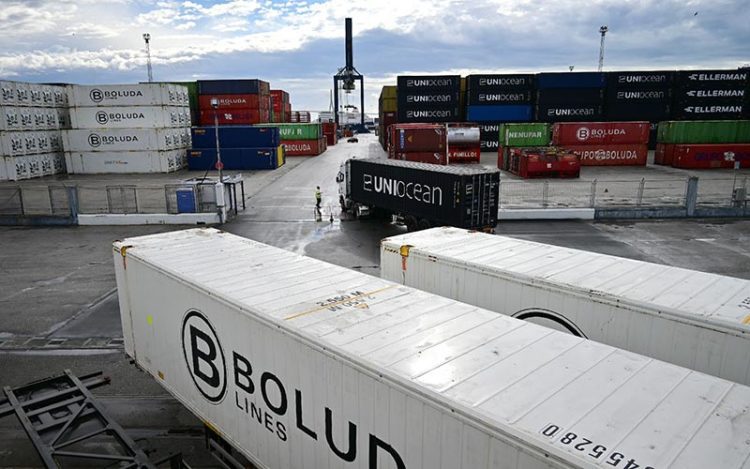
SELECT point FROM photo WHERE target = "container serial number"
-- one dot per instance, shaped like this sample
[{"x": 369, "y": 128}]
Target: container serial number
[{"x": 591, "y": 449}]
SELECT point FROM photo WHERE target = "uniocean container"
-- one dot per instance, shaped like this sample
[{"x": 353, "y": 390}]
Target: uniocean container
[
  {"x": 144, "y": 94},
  {"x": 692, "y": 319},
  {"x": 419, "y": 114},
  {"x": 299, "y": 363},
  {"x": 569, "y": 112},
  {"x": 236, "y": 137},
  {"x": 600, "y": 133},
  {"x": 737, "y": 131},
  {"x": 297, "y": 131},
  {"x": 622, "y": 154},
  {"x": 483, "y": 83},
  {"x": 235, "y": 158},
  {"x": 106, "y": 140},
  {"x": 524, "y": 135},
  {"x": 571, "y": 80},
  {"x": 661, "y": 79},
  {"x": 124, "y": 162},
  {"x": 129, "y": 117},
  {"x": 233, "y": 87},
  {"x": 710, "y": 156},
  {"x": 493, "y": 113},
  {"x": 428, "y": 83}
]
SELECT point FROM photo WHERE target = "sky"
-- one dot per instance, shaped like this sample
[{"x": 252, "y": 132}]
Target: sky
[{"x": 298, "y": 45}]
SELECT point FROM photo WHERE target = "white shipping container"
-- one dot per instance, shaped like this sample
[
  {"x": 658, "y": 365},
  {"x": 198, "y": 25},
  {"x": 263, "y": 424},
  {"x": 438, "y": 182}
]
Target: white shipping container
[
  {"x": 693, "y": 319},
  {"x": 143, "y": 117},
  {"x": 23, "y": 94},
  {"x": 7, "y": 93},
  {"x": 118, "y": 162},
  {"x": 144, "y": 94},
  {"x": 302, "y": 364},
  {"x": 79, "y": 140},
  {"x": 17, "y": 168},
  {"x": 18, "y": 143},
  {"x": 25, "y": 167}
]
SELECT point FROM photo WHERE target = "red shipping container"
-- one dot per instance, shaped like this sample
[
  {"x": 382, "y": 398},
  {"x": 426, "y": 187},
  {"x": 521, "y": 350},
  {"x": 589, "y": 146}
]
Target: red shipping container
[
  {"x": 664, "y": 154},
  {"x": 229, "y": 117},
  {"x": 535, "y": 163},
  {"x": 421, "y": 157},
  {"x": 610, "y": 155},
  {"x": 711, "y": 156},
  {"x": 304, "y": 147},
  {"x": 231, "y": 101},
  {"x": 600, "y": 133},
  {"x": 459, "y": 155},
  {"x": 418, "y": 138}
]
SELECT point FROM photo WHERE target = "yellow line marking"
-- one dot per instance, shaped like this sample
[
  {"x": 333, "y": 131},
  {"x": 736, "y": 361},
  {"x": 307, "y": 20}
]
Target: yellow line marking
[
  {"x": 746, "y": 320},
  {"x": 346, "y": 300}
]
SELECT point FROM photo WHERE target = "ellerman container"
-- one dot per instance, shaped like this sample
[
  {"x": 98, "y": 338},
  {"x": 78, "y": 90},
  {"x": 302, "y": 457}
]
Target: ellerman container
[
  {"x": 691, "y": 319},
  {"x": 297, "y": 131},
  {"x": 298, "y": 363},
  {"x": 737, "y": 131},
  {"x": 524, "y": 135}
]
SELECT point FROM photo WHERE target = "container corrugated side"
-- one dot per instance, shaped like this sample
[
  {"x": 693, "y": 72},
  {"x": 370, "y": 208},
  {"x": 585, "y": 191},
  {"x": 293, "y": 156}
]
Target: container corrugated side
[
  {"x": 144, "y": 94},
  {"x": 737, "y": 131},
  {"x": 121, "y": 162},
  {"x": 104, "y": 140},
  {"x": 129, "y": 117},
  {"x": 524, "y": 135},
  {"x": 311, "y": 131},
  {"x": 287, "y": 357},
  {"x": 692, "y": 319}
]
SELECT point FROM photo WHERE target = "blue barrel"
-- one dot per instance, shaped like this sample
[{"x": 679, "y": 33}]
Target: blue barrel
[
  {"x": 509, "y": 113},
  {"x": 571, "y": 80},
  {"x": 185, "y": 200},
  {"x": 241, "y": 136},
  {"x": 234, "y": 158}
]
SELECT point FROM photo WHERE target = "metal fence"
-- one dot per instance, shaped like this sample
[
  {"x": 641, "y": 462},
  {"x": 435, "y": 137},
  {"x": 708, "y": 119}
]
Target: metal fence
[{"x": 615, "y": 193}]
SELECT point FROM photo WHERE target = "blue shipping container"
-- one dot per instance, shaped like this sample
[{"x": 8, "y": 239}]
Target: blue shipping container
[
  {"x": 234, "y": 158},
  {"x": 233, "y": 87},
  {"x": 499, "y": 113},
  {"x": 571, "y": 80},
  {"x": 236, "y": 137}
]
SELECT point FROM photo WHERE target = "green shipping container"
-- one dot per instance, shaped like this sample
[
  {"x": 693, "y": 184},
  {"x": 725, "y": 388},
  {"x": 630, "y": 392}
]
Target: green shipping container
[
  {"x": 703, "y": 132},
  {"x": 524, "y": 135},
  {"x": 297, "y": 131}
]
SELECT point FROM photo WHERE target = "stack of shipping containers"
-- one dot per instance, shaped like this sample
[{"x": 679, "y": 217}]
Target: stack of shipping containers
[
  {"x": 387, "y": 113},
  {"x": 604, "y": 143},
  {"x": 142, "y": 128},
  {"x": 240, "y": 102},
  {"x": 500, "y": 98},
  {"x": 281, "y": 108},
  {"x": 711, "y": 95},
  {"x": 301, "y": 139},
  {"x": 425, "y": 143},
  {"x": 528, "y": 135},
  {"x": 30, "y": 139},
  {"x": 432, "y": 98},
  {"x": 703, "y": 144},
  {"x": 570, "y": 97},
  {"x": 242, "y": 147}
]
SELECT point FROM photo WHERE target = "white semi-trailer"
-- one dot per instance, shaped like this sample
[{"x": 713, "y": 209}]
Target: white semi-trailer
[
  {"x": 302, "y": 364},
  {"x": 693, "y": 319}
]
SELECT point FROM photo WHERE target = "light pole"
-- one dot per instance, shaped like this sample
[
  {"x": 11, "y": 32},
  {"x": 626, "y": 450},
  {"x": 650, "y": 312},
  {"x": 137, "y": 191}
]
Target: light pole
[
  {"x": 219, "y": 164},
  {"x": 603, "y": 30},
  {"x": 147, "y": 38}
]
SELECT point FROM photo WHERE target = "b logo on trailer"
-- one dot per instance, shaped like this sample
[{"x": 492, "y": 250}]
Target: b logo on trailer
[{"x": 204, "y": 356}]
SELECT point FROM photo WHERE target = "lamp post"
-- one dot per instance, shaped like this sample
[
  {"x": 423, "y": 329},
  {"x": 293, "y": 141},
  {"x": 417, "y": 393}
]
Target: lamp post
[
  {"x": 147, "y": 38},
  {"x": 219, "y": 164},
  {"x": 603, "y": 30}
]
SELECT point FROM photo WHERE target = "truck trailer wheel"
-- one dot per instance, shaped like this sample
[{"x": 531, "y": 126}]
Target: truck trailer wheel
[
  {"x": 410, "y": 222},
  {"x": 424, "y": 224}
]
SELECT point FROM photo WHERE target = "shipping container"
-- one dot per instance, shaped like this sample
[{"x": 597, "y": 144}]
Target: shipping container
[
  {"x": 304, "y": 147},
  {"x": 419, "y": 114},
  {"x": 19, "y": 143},
  {"x": 144, "y": 94},
  {"x": 464, "y": 154},
  {"x": 233, "y": 87},
  {"x": 134, "y": 162},
  {"x": 8, "y": 93},
  {"x": 236, "y": 137},
  {"x": 639, "y": 80},
  {"x": 664, "y": 154},
  {"x": 242, "y": 117},
  {"x": 129, "y": 117},
  {"x": 569, "y": 96},
  {"x": 18, "y": 168},
  {"x": 388, "y": 105},
  {"x": 311, "y": 131},
  {"x": 709, "y": 110},
  {"x": 622, "y": 154},
  {"x": 301, "y": 363},
  {"x": 600, "y": 133},
  {"x": 492, "y": 83},
  {"x": 418, "y": 138},
  {"x": 463, "y": 134},
  {"x": 428, "y": 83},
  {"x": 689, "y": 318},
  {"x": 711, "y": 156},
  {"x": 629, "y": 111},
  {"x": 543, "y": 162},
  {"x": 569, "y": 112},
  {"x": 505, "y": 113},
  {"x": 712, "y": 77},
  {"x": 482, "y": 96},
  {"x": 450, "y": 195},
  {"x": 489, "y": 145},
  {"x": 735, "y": 93},
  {"x": 106, "y": 140},
  {"x": 737, "y": 131},
  {"x": 434, "y": 99},
  {"x": 235, "y": 158},
  {"x": 240, "y": 102},
  {"x": 437, "y": 157},
  {"x": 571, "y": 80},
  {"x": 615, "y": 96},
  {"x": 525, "y": 135}
]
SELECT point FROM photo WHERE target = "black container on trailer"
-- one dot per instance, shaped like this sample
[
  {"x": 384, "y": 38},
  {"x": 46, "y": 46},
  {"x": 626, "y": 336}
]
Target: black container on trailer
[
  {"x": 429, "y": 83},
  {"x": 464, "y": 197},
  {"x": 492, "y": 97},
  {"x": 233, "y": 87},
  {"x": 413, "y": 114},
  {"x": 569, "y": 113},
  {"x": 640, "y": 80},
  {"x": 570, "y": 96},
  {"x": 428, "y": 99}
]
